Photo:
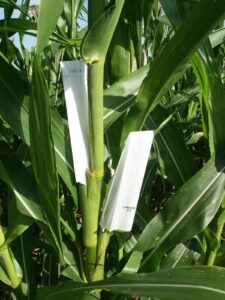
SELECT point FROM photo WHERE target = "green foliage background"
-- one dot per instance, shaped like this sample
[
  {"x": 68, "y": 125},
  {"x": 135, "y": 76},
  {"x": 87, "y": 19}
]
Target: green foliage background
[{"x": 152, "y": 64}]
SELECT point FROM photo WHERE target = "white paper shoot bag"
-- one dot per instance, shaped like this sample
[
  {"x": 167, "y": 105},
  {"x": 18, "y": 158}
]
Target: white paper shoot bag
[
  {"x": 74, "y": 74},
  {"x": 120, "y": 208}
]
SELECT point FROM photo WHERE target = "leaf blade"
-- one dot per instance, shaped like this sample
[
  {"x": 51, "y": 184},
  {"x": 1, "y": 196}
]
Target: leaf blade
[
  {"x": 179, "y": 283},
  {"x": 49, "y": 13},
  {"x": 42, "y": 151},
  {"x": 175, "y": 161}
]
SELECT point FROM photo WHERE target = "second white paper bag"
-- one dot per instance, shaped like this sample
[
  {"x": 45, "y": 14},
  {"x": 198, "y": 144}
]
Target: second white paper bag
[{"x": 120, "y": 208}]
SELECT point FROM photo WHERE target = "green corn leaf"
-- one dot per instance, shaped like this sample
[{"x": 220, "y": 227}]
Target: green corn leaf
[
  {"x": 208, "y": 76},
  {"x": 148, "y": 5},
  {"x": 22, "y": 249},
  {"x": 167, "y": 67},
  {"x": 16, "y": 25},
  {"x": 133, "y": 263},
  {"x": 17, "y": 177},
  {"x": 17, "y": 222},
  {"x": 119, "y": 55},
  {"x": 95, "y": 45},
  {"x": 183, "y": 254},
  {"x": 220, "y": 256},
  {"x": 69, "y": 260},
  {"x": 16, "y": 93},
  {"x": 10, "y": 270},
  {"x": 95, "y": 9},
  {"x": 14, "y": 110},
  {"x": 149, "y": 177},
  {"x": 73, "y": 296},
  {"x": 4, "y": 273},
  {"x": 4, "y": 278},
  {"x": 50, "y": 269},
  {"x": 176, "y": 162},
  {"x": 42, "y": 151},
  {"x": 22, "y": 184},
  {"x": 188, "y": 211},
  {"x": 134, "y": 15},
  {"x": 63, "y": 152},
  {"x": 69, "y": 266},
  {"x": 121, "y": 95},
  {"x": 180, "y": 283},
  {"x": 177, "y": 11},
  {"x": 217, "y": 37},
  {"x": 48, "y": 16},
  {"x": 183, "y": 96},
  {"x": 70, "y": 11}
]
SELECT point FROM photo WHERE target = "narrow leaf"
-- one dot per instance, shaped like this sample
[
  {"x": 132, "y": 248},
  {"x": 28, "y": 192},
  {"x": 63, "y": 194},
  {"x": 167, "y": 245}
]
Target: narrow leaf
[
  {"x": 180, "y": 283},
  {"x": 18, "y": 179},
  {"x": 42, "y": 150},
  {"x": 134, "y": 15},
  {"x": 118, "y": 61},
  {"x": 16, "y": 25},
  {"x": 69, "y": 266},
  {"x": 17, "y": 222},
  {"x": 176, "y": 162},
  {"x": 48, "y": 16},
  {"x": 208, "y": 76},
  {"x": 121, "y": 95},
  {"x": 183, "y": 254},
  {"x": 4, "y": 277},
  {"x": 217, "y": 37},
  {"x": 22, "y": 249}
]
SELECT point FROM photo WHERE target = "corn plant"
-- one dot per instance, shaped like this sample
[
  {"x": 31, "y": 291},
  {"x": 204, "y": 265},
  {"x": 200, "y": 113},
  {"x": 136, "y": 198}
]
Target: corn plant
[{"x": 151, "y": 65}]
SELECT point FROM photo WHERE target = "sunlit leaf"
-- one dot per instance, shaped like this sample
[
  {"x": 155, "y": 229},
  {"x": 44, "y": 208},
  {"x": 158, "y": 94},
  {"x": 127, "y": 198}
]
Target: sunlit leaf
[
  {"x": 49, "y": 13},
  {"x": 42, "y": 150},
  {"x": 179, "y": 283}
]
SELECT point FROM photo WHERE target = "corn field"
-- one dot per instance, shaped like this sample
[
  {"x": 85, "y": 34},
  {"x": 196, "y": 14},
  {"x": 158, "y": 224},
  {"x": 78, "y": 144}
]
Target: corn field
[{"x": 102, "y": 78}]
